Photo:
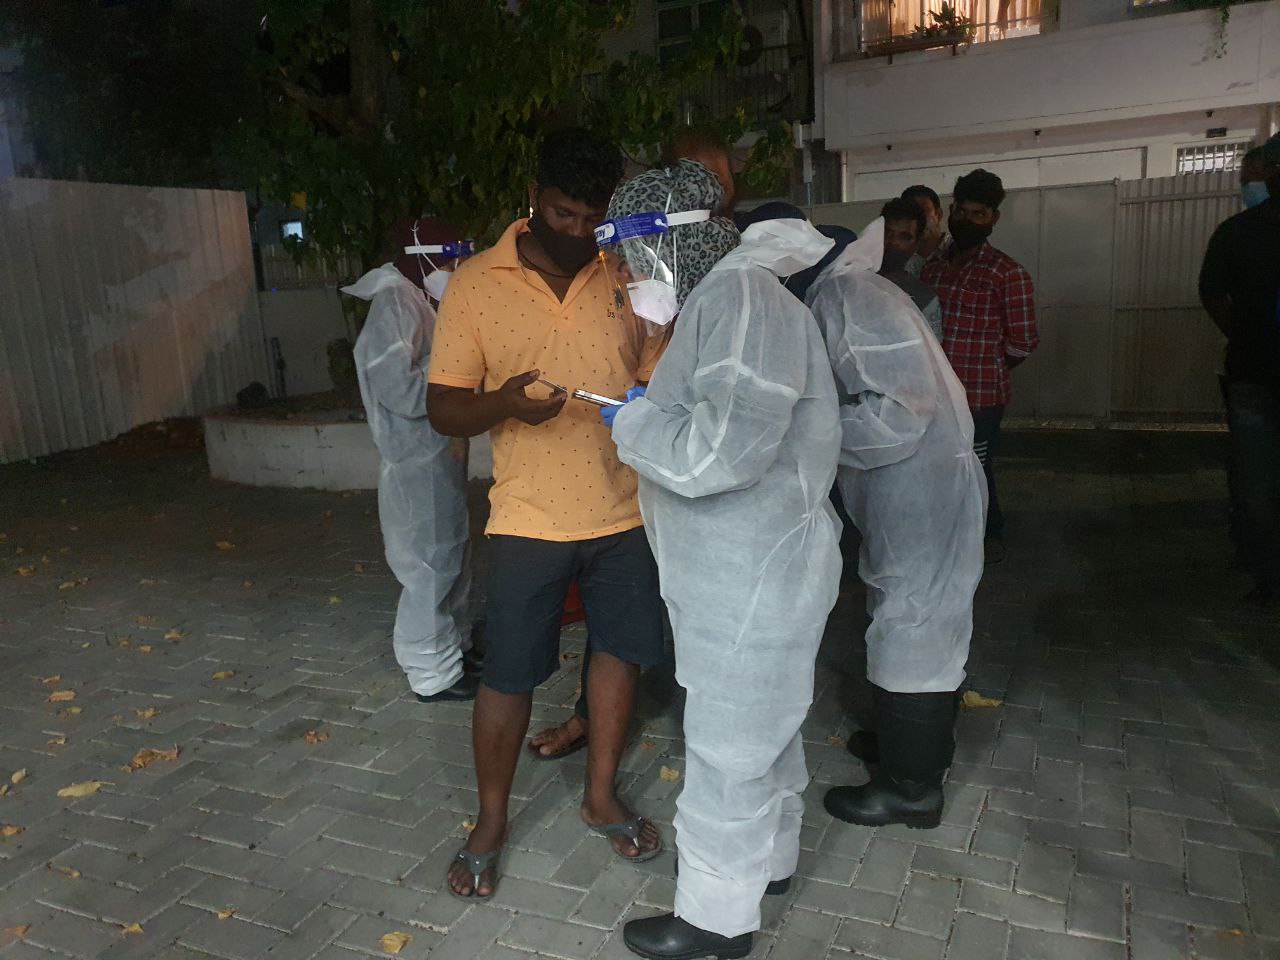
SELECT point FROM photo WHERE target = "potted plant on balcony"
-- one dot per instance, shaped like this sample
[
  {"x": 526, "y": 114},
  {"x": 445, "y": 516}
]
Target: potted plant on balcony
[{"x": 946, "y": 27}]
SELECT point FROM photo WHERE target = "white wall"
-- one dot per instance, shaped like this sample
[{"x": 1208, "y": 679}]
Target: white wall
[
  {"x": 119, "y": 306},
  {"x": 304, "y": 321},
  {"x": 1123, "y": 71}
]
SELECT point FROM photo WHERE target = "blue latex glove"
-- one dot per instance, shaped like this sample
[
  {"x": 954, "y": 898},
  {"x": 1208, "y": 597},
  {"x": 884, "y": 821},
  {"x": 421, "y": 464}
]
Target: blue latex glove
[{"x": 608, "y": 413}]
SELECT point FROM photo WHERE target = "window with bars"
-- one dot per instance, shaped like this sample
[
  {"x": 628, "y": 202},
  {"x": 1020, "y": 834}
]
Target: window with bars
[
  {"x": 680, "y": 20},
  {"x": 1212, "y": 158}
]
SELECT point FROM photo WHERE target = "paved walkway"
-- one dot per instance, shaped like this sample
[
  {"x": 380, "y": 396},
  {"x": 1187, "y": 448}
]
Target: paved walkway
[{"x": 1122, "y": 803}]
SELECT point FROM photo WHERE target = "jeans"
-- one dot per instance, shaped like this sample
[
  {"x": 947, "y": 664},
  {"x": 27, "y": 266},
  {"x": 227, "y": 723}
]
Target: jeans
[
  {"x": 1253, "y": 414},
  {"x": 986, "y": 443}
]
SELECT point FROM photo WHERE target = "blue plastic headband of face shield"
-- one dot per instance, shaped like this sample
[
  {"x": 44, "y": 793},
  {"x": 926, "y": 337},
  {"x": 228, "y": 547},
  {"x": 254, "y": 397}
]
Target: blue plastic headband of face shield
[
  {"x": 453, "y": 250},
  {"x": 637, "y": 225}
]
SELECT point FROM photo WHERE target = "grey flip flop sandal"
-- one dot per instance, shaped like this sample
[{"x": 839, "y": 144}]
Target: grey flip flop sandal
[
  {"x": 631, "y": 830},
  {"x": 476, "y": 864}
]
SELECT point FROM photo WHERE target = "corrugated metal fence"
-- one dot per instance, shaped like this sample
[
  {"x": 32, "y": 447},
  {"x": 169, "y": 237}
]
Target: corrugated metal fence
[
  {"x": 119, "y": 305},
  {"x": 1123, "y": 336}
]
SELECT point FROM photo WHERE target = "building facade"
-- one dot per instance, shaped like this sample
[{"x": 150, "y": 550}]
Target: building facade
[{"x": 1042, "y": 92}]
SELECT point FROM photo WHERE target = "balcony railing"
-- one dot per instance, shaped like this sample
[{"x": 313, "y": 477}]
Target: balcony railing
[{"x": 885, "y": 27}]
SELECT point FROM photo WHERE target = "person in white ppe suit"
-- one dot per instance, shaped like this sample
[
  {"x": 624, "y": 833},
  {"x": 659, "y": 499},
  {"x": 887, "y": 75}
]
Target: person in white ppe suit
[
  {"x": 735, "y": 442},
  {"x": 915, "y": 490},
  {"x": 422, "y": 503}
]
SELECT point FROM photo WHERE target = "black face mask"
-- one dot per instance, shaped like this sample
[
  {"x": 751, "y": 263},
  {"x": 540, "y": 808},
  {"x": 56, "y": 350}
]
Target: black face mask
[
  {"x": 570, "y": 254},
  {"x": 894, "y": 261},
  {"x": 966, "y": 234}
]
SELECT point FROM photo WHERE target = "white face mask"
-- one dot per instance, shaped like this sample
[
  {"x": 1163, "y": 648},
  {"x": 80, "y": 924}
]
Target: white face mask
[
  {"x": 654, "y": 301},
  {"x": 435, "y": 283}
]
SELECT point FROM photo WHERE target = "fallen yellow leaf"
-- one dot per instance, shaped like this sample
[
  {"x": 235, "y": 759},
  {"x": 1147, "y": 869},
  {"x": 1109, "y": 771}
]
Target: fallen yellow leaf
[
  {"x": 145, "y": 648},
  {"x": 25, "y": 571},
  {"x": 18, "y": 932},
  {"x": 57, "y": 677},
  {"x": 315, "y": 736},
  {"x": 144, "y": 620},
  {"x": 86, "y": 789},
  {"x": 70, "y": 872},
  {"x": 335, "y": 599},
  {"x": 394, "y": 942},
  {"x": 648, "y": 745},
  {"x": 70, "y": 584},
  {"x": 468, "y": 825},
  {"x": 328, "y": 514},
  {"x": 175, "y": 634},
  {"x": 359, "y": 568},
  {"x": 225, "y": 545},
  {"x": 836, "y": 741},
  {"x": 57, "y": 742},
  {"x": 224, "y": 675},
  {"x": 248, "y": 584},
  {"x": 146, "y": 714},
  {"x": 133, "y": 928},
  {"x": 973, "y": 699},
  {"x": 60, "y": 696},
  {"x": 666, "y": 773},
  {"x": 69, "y": 712},
  {"x": 126, "y": 643},
  {"x": 10, "y": 830},
  {"x": 144, "y": 582},
  {"x": 64, "y": 550},
  {"x": 146, "y": 757},
  {"x": 227, "y": 914},
  {"x": 4, "y": 789},
  {"x": 18, "y": 777},
  {"x": 86, "y": 645}
]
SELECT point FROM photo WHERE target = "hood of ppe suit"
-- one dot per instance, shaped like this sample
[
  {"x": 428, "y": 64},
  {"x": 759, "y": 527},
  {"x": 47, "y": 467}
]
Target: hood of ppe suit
[
  {"x": 908, "y": 474},
  {"x": 782, "y": 247},
  {"x": 689, "y": 250},
  {"x": 865, "y": 253},
  {"x": 375, "y": 281}
]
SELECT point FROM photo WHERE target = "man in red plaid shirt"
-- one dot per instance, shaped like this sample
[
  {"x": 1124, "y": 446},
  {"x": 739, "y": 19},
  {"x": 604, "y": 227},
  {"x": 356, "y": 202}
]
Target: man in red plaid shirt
[{"x": 988, "y": 321}]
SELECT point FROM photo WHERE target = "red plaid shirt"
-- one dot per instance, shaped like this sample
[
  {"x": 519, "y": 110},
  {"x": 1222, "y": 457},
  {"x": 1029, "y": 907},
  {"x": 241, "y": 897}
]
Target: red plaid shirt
[{"x": 988, "y": 312}]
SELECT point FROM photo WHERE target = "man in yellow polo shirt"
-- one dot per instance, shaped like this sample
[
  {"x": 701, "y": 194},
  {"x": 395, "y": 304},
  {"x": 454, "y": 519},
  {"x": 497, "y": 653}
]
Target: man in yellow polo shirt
[{"x": 563, "y": 506}]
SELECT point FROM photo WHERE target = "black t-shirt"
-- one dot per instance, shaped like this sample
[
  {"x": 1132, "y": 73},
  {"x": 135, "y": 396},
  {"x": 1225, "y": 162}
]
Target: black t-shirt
[{"x": 1243, "y": 262}]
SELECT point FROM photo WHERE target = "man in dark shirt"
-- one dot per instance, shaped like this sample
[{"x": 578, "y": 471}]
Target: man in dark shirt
[
  {"x": 904, "y": 224},
  {"x": 1240, "y": 288}
]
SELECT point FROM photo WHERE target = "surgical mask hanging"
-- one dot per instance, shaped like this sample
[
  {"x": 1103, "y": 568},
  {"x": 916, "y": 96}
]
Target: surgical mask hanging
[
  {"x": 653, "y": 301},
  {"x": 435, "y": 283},
  {"x": 1254, "y": 193}
]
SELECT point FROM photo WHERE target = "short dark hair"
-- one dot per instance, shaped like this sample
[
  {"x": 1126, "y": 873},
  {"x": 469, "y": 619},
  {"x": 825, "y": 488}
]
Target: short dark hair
[
  {"x": 900, "y": 209},
  {"x": 580, "y": 164},
  {"x": 979, "y": 186},
  {"x": 920, "y": 190}
]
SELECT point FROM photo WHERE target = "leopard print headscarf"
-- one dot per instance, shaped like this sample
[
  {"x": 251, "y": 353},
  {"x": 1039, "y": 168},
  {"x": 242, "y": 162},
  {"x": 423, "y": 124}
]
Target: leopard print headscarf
[{"x": 697, "y": 246}]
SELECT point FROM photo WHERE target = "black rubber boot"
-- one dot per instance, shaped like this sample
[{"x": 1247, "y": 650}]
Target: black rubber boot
[
  {"x": 669, "y": 938},
  {"x": 916, "y": 741}
]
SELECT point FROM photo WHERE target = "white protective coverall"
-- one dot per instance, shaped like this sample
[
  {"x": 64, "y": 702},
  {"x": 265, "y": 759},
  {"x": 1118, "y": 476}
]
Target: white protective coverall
[
  {"x": 908, "y": 474},
  {"x": 736, "y": 444},
  {"x": 422, "y": 501}
]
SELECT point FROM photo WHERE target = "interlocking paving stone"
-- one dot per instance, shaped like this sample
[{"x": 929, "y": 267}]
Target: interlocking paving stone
[{"x": 1123, "y": 801}]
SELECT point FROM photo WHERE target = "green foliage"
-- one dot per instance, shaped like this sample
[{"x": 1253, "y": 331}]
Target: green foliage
[
  {"x": 371, "y": 110},
  {"x": 130, "y": 93}
]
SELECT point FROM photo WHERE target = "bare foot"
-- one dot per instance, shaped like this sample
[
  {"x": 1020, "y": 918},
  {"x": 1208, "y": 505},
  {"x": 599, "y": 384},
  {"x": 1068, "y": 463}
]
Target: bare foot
[
  {"x": 484, "y": 839},
  {"x": 616, "y": 812},
  {"x": 556, "y": 740}
]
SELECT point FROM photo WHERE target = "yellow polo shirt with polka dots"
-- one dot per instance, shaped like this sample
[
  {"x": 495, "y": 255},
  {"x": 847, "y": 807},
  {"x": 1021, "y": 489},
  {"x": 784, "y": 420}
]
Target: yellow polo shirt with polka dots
[{"x": 561, "y": 479}]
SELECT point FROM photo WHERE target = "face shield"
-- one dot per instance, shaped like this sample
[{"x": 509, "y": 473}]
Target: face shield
[
  {"x": 641, "y": 254},
  {"x": 450, "y": 254}
]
